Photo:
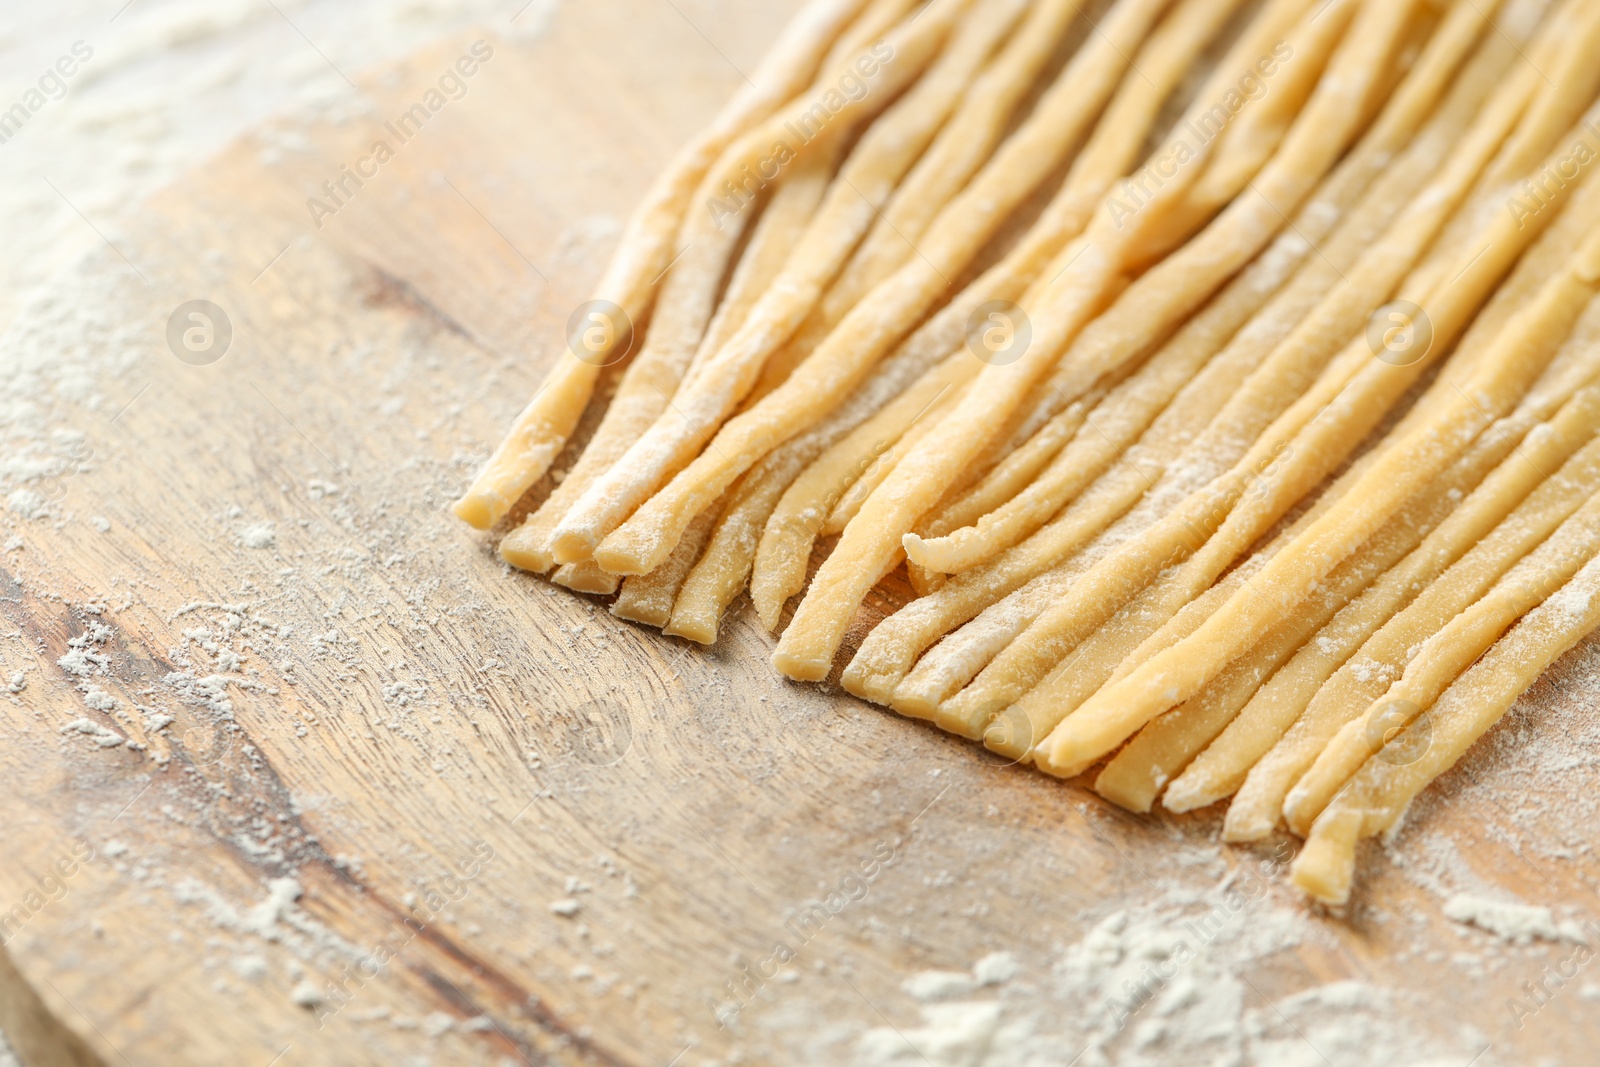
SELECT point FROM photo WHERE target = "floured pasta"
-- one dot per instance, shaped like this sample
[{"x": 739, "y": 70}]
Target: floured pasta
[{"x": 1239, "y": 435}]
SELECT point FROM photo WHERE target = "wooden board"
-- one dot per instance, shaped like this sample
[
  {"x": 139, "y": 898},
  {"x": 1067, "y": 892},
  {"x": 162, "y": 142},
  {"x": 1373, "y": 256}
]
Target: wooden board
[{"x": 371, "y": 718}]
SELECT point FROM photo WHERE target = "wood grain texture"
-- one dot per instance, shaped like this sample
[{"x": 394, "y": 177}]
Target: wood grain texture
[{"x": 366, "y": 702}]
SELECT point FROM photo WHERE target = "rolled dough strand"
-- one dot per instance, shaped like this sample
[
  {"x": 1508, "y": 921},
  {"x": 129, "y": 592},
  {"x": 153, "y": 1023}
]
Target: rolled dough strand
[
  {"x": 1110, "y": 151},
  {"x": 805, "y": 505},
  {"x": 786, "y": 545},
  {"x": 1418, "y": 517},
  {"x": 1288, "y": 370},
  {"x": 584, "y": 578},
  {"x": 1341, "y": 239},
  {"x": 808, "y": 645},
  {"x": 1098, "y": 593},
  {"x": 964, "y": 145},
  {"x": 1243, "y": 145},
  {"x": 887, "y": 149},
  {"x": 1043, "y": 34},
  {"x": 731, "y": 553},
  {"x": 648, "y": 598},
  {"x": 1000, "y": 598},
  {"x": 1451, "y": 305},
  {"x": 1223, "y": 767},
  {"x": 1110, "y": 430},
  {"x": 891, "y": 649},
  {"x": 1178, "y": 672},
  {"x": 1261, "y": 127},
  {"x": 1017, "y": 471},
  {"x": 1394, "y": 134},
  {"x": 1137, "y": 774},
  {"x": 649, "y": 383},
  {"x": 837, "y": 366},
  {"x": 1092, "y": 598},
  {"x": 1442, "y": 658},
  {"x": 1375, "y": 798},
  {"x": 1220, "y": 770},
  {"x": 721, "y": 574},
  {"x": 1362, "y": 677},
  {"x": 539, "y": 432},
  {"x": 874, "y": 474},
  {"x": 948, "y": 554},
  {"x": 1174, "y": 288},
  {"x": 781, "y": 467},
  {"x": 656, "y": 373},
  {"x": 1413, "y": 522},
  {"x": 1568, "y": 46},
  {"x": 1098, "y": 657}
]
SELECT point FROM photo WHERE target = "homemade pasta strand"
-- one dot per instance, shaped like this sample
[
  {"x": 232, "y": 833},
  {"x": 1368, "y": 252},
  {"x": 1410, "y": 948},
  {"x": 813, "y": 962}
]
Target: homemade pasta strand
[
  {"x": 1376, "y": 797},
  {"x": 882, "y": 317},
  {"x": 887, "y": 149},
  {"x": 542, "y": 428}
]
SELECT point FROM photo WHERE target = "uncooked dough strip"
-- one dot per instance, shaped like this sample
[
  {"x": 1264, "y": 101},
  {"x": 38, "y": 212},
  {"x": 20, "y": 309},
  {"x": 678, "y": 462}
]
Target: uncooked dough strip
[
  {"x": 1101, "y": 654},
  {"x": 999, "y": 598},
  {"x": 1442, "y": 658},
  {"x": 879, "y": 468},
  {"x": 1178, "y": 672},
  {"x": 1110, "y": 429},
  {"x": 887, "y": 149},
  {"x": 1289, "y": 370},
  {"x": 1375, "y": 798},
  {"x": 785, "y": 547},
  {"x": 809, "y": 643},
  {"x": 1223, "y": 767},
  {"x": 1165, "y": 745},
  {"x": 1065, "y": 624},
  {"x": 885, "y": 315},
  {"x": 656, "y": 372},
  {"x": 542, "y": 428},
  {"x": 720, "y": 575},
  {"x": 648, "y": 598},
  {"x": 964, "y": 145},
  {"x": 1255, "y": 811},
  {"x": 585, "y": 578},
  {"x": 890, "y": 650}
]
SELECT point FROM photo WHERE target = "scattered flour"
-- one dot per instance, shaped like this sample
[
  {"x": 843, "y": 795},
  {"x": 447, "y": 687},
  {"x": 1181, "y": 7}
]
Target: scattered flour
[
  {"x": 1509, "y": 920},
  {"x": 1160, "y": 985}
]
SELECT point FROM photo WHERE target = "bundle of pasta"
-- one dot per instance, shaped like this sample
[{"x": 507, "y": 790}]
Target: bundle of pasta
[{"x": 1264, "y": 465}]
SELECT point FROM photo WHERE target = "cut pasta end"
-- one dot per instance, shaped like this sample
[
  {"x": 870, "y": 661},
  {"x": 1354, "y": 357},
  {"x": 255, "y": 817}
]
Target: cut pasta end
[
  {"x": 523, "y": 554},
  {"x": 635, "y": 611},
  {"x": 1300, "y": 810},
  {"x": 586, "y": 578},
  {"x": 1133, "y": 792},
  {"x": 619, "y": 555},
  {"x": 1245, "y": 822},
  {"x": 480, "y": 510},
  {"x": 1326, "y": 865},
  {"x": 964, "y": 720},
  {"x": 1182, "y": 796},
  {"x": 800, "y": 668},
  {"x": 694, "y": 629},
  {"x": 858, "y": 681},
  {"x": 1011, "y": 733}
]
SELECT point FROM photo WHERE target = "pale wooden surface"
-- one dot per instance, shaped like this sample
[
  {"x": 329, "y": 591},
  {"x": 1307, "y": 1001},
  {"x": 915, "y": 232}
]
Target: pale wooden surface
[{"x": 426, "y": 699}]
